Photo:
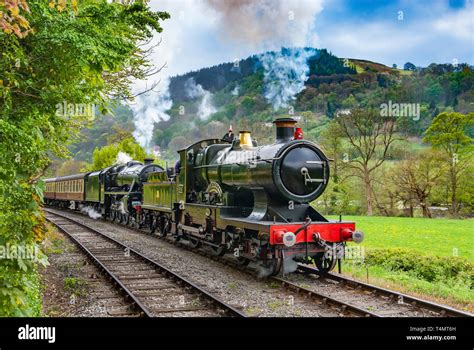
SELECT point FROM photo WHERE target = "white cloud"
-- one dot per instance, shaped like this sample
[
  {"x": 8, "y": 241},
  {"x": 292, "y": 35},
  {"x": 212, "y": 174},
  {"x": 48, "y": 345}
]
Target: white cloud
[
  {"x": 439, "y": 36},
  {"x": 459, "y": 25}
]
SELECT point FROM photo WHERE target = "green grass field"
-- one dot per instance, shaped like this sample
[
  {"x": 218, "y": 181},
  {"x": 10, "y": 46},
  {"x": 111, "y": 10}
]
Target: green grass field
[
  {"x": 427, "y": 237},
  {"x": 444, "y": 237}
]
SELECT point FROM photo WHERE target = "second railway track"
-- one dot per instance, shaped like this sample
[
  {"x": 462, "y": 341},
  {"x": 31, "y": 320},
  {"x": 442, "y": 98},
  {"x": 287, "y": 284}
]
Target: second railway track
[
  {"x": 397, "y": 303},
  {"x": 151, "y": 288}
]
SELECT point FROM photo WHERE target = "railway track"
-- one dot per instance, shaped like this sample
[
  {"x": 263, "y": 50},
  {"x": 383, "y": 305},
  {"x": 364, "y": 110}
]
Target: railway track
[
  {"x": 391, "y": 303},
  {"x": 423, "y": 307},
  {"x": 151, "y": 288}
]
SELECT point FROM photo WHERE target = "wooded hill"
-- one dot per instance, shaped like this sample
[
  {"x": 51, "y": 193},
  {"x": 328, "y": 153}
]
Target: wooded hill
[{"x": 333, "y": 84}]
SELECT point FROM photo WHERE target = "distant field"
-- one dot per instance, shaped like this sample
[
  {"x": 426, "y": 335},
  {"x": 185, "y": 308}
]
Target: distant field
[
  {"x": 442, "y": 237},
  {"x": 361, "y": 65}
]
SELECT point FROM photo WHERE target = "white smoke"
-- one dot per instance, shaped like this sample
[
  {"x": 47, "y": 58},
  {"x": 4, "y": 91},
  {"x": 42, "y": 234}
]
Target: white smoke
[
  {"x": 235, "y": 92},
  {"x": 193, "y": 90},
  {"x": 148, "y": 109},
  {"x": 263, "y": 272},
  {"x": 285, "y": 73},
  {"x": 122, "y": 158},
  {"x": 289, "y": 266},
  {"x": 91, "y": 212}
]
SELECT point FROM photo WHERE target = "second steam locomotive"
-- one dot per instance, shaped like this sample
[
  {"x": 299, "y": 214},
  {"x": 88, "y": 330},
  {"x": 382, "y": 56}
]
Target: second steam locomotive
[{"x": 233, "y": 197}]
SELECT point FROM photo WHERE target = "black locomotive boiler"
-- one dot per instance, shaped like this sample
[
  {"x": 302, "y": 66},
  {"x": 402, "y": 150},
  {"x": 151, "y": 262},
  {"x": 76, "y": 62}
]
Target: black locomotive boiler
[{"x": 240, "y": 198}]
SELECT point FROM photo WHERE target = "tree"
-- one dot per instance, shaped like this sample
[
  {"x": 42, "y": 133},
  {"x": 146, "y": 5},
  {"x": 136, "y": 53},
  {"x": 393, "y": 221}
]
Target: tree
[
  {"x": 107, "y": 155},
  {"x": 331, "y": 140},
  {"x": 73, "y": 54},
  {"x": 70, "y": 167},
  {"x": 448, "y": 132},
  {"x": 416, "y": 176},
  {"x": 409, "y": 66},
  {"x": 370, "y": 136}
]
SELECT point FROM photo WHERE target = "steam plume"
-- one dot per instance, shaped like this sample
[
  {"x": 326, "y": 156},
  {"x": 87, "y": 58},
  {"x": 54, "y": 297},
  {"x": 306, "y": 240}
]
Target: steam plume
[
  {"x": 149, "y": 109},
  {"x": 122, "y": 158},
  {"x": 285, "y": 73},
  {"x": 193, "y": 90}
]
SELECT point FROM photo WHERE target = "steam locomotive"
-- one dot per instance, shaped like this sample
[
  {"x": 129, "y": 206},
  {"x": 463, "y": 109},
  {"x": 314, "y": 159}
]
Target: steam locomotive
[{"x": 233, "y": 197}]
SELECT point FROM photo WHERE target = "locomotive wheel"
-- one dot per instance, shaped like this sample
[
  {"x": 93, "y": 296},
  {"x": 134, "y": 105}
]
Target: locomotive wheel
[
  {"x": 125, "y": 219},
  {"x": 218, "y": 251},
  {"x": 273, "y": 266},
  {"x": 195, "y": 243},
  {"x": 153, "y": 223},
  {"x": 324, "y": 264},
  {"x": 133, "y": 222},
  {"x": 243, "y": 261},
  {"x": 164, "y": 227}
]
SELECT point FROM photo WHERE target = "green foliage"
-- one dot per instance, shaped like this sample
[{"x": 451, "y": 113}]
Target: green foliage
[
  {"x": 107, "y": 155},
  {"x": 409, "y": 66},
  {"x": 72, "y": 55},
  {"x": 449, "y": 132},
  {"x": 75, "y": 286},
  {"x": 326, "y": 63},
  {"x": 427, "y": 267}
]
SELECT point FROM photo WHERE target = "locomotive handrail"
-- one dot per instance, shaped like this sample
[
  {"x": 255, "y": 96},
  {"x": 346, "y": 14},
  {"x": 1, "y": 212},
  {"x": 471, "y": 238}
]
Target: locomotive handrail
[{"x": 268, "y": 160}]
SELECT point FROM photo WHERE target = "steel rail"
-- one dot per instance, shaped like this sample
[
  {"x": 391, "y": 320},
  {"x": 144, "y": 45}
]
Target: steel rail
[
  {"x": 170, "y": 274},
  {"x": 123, "y": 289},
  {"x": 325, "y": 299},
  {"x": 443, "y": 310}
]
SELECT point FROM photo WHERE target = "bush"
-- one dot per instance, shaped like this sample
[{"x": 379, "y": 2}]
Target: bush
[
  {"x": 20, "y": 293},
  {"x": 426, "y": 267}
]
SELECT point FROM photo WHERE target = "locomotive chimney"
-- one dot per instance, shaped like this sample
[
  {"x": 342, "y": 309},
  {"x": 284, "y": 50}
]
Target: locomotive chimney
[
  {"x": 148, "y": 161},
  {"x": 285, "y": 129}
]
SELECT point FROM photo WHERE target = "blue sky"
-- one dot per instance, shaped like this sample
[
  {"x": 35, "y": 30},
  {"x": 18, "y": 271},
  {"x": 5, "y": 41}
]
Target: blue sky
[
  {"x": 398, "y": 31},
  {"x": 201, "y": 33}
]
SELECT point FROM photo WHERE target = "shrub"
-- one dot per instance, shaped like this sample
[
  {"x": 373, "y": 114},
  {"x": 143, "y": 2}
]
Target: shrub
[{"x": 426, "y": 267}]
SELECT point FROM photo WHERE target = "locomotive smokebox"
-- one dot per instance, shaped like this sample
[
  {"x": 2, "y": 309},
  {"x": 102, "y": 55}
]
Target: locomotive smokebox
[{"x": 285, "y": 129}]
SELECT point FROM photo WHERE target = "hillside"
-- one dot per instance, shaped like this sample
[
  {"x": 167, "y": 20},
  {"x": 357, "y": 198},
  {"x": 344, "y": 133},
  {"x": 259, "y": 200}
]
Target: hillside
[{"x": 308, "y": 82}]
